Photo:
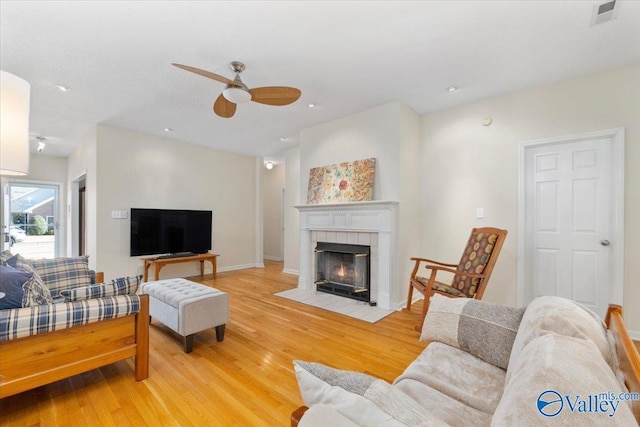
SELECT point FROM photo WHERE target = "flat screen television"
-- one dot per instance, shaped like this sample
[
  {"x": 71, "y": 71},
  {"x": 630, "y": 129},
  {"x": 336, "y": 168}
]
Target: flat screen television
[{"x": 170, "y": 231}]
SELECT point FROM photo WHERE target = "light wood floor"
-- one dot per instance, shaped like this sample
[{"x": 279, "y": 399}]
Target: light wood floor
[{"x": 246, "y": 380}]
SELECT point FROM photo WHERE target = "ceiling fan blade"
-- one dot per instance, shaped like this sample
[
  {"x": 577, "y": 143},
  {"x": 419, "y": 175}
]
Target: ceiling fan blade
[
  {"x": 207, "y": 74},
  {"x": 275, "y": 95},
  {"x": 223, "y": 107}
]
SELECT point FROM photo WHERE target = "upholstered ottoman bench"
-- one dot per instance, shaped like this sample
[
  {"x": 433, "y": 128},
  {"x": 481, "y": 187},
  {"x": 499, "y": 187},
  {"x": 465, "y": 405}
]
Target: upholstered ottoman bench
[{"x": 187, "y": 307}]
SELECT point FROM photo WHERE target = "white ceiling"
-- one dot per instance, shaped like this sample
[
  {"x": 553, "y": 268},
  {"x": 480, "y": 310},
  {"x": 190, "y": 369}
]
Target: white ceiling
[{"x": 345, "y": 56}]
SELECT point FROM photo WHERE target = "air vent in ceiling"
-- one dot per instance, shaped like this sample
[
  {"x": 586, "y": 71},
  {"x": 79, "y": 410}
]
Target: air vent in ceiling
[{"x": 604, "y": 12}]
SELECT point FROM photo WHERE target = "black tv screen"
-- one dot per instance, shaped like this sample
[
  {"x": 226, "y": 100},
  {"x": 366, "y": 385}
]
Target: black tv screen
[{"x": 169, "y": 231}]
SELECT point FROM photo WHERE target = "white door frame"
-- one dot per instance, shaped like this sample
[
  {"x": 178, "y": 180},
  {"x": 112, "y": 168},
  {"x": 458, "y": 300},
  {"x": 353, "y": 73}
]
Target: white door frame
[
  {"x": 73, "y": 209},
  {"x": 617, "y": 206}
]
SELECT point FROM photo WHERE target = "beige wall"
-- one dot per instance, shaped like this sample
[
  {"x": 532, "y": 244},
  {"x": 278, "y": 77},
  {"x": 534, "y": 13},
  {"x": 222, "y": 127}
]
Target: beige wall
[
  {"x": 273, "y": 184},
  {"x": 145, "y": 171},
  {"x": 371, "y": 133},
  {"x": 467, "y": 165},
  {"x": 391, "y": 134},
  {"x": 83, "y": 162},
  {"x": 291, "y": 216}
]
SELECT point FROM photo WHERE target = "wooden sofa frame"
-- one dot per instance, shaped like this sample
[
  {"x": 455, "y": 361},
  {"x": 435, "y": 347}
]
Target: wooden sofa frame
[
  {"x": 40, "y": 359},
  {"x": 628, "y": 357}
]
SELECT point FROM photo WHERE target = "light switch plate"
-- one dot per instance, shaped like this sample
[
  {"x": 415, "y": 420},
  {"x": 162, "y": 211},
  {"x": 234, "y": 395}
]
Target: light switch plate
[
  {"x": 479, "y": 213},
  {"x": 119, "y": 214}
]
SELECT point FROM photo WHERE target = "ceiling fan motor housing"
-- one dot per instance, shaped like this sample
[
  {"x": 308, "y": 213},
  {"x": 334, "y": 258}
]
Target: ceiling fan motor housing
[{"x": 237, "y": 67}]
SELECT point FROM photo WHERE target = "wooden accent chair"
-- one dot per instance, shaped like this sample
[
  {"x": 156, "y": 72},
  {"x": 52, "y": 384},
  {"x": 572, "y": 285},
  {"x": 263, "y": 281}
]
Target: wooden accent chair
[{"x": 472, "y": 273}]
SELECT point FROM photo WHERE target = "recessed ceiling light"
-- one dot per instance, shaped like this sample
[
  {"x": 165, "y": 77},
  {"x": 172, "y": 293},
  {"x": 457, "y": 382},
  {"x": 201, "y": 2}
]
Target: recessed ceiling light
[
  {"x": 168, "y": 130},
  {"x": 452, "y": 89},
  {"x": 63, "y": 88},
  {"x": 311, "y": 105}
]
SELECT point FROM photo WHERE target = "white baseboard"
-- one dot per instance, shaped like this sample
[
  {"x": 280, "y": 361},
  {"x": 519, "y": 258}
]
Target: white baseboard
[
  {"x": 272, "y": 258},
  {"x": 289, "y": 271},
  {"x": 240, "y": 267},
  {"x": 635, "y": 335}
]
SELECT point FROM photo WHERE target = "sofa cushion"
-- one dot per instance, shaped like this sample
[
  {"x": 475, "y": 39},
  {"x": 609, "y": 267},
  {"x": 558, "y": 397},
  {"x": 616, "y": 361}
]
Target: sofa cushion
[
  {"x": 63, "y": 273},
  {"x": 11, "y": 281},
  {"x": 27, "y": 321},
  {"x": 121, "y": 286},
  {"x": 561, "y": 381},
  {"x": 560, "y": 316},
  {"x": 5, "y": 255},
  {"x": 483, "y": 329},
  {"x": 35, "y": 291},
  {"x": 459, "y": 375},
  {"x": 451, "y": 411},
  {"x": 21, "y": 263},
  {"x": 361, "y": 398},
  {"x": 324, "y": 415}
]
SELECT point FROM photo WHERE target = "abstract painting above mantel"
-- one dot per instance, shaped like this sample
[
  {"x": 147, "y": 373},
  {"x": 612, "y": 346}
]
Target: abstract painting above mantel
[{"x": 342, "y": 182}]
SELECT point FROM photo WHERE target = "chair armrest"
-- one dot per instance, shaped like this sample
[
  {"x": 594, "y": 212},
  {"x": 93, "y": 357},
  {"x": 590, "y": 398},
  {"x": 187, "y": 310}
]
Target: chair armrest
[
  {"x": 296, "y": 415},
  {"x": 419, "y": 260},
  {"x": 450, "y": 270}
]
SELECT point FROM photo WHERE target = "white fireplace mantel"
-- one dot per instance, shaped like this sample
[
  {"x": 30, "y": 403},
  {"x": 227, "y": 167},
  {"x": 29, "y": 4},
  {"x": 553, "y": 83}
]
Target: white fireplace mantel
[{"x": 343, "y": 221}]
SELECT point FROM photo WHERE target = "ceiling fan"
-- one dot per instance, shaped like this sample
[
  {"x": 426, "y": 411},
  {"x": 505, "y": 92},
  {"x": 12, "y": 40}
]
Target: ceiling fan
[{"x": 237, "y": 92}]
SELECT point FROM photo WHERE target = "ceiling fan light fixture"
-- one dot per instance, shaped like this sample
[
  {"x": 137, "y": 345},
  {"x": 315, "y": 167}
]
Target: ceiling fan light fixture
[{"x": 236, "y": 95}]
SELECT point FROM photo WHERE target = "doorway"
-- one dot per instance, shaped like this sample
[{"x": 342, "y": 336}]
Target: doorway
[
  {"x": 571, "y": 220},
  {"x": 32, "y": 219}
]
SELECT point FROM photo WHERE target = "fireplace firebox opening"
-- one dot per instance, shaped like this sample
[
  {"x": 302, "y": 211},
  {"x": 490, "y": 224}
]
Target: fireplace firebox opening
[{"x": 343, "y": 269}]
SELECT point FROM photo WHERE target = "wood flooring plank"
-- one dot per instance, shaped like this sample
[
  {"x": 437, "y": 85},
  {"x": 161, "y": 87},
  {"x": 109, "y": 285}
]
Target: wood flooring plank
[{"x": 245, "y": 380}]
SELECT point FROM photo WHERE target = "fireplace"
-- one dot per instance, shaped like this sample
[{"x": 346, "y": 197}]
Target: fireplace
[
  {"x": 343, "y": 269},
  {"x": 373, "y": 224}
]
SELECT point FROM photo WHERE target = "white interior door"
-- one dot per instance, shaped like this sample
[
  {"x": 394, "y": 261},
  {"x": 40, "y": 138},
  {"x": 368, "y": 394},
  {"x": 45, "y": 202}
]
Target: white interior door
[{"x": 569, "y": 221}]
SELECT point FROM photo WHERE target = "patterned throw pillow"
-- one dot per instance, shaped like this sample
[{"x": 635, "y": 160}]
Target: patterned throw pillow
[
  {"x": 35, "y": 292},
  {"x": 361, "y": 398},
  {"x": 482, "y": 329},
  {"x": 21, "y": 263},
  {"x": 121, "y": 286},
  {"x": 474, "y": 259},
  {"x": 11, "y": 281}
]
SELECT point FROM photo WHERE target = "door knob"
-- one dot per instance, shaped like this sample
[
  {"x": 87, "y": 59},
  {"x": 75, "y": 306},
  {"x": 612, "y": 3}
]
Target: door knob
[{"x": 604, "y": 242}]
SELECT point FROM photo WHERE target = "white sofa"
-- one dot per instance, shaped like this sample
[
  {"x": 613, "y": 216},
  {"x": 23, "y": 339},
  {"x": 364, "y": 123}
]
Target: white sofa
[{"x": 554, "y": 363}]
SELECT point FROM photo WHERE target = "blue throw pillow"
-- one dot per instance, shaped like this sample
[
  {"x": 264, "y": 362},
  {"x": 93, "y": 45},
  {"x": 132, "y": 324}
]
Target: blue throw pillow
[{"x": 11, "y": 281}]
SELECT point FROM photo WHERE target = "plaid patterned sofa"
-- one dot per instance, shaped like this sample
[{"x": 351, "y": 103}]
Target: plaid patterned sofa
[{"x": 77, "y": 326}]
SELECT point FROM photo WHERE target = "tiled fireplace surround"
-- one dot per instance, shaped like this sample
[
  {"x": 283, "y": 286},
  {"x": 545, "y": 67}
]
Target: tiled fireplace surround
[{"x": 372, "y": 224}]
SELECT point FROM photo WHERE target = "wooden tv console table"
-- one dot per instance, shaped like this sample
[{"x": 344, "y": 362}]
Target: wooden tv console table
[{"x": 158, "y": 263}]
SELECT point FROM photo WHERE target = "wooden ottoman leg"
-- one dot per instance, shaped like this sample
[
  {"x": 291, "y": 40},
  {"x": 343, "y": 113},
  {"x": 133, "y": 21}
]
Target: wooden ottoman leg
[
  {"x": 220, "y": 333},
  {"x": 188, "y": 343}
]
